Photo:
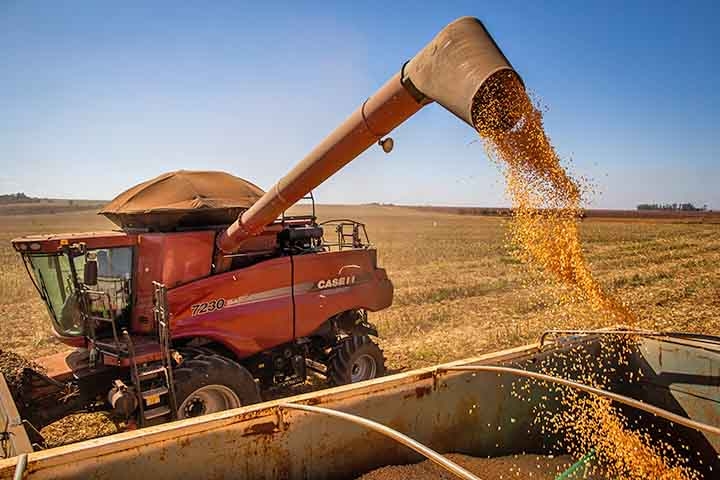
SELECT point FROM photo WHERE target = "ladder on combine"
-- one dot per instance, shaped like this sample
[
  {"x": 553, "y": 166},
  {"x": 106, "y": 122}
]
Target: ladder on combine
[{"x": 154, "y": 381}]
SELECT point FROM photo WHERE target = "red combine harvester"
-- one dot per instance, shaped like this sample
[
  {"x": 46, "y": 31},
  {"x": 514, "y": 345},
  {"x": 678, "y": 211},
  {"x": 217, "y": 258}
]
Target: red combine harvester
[{"x": 208, "y": 293}]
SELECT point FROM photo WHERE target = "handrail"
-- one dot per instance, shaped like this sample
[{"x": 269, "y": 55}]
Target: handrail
[
  {"x": 339, "y": 224},
  {"x": 135, "y": 375},
  {"x": 427, "y": 452},
  {"x": 673, "y": 417}
]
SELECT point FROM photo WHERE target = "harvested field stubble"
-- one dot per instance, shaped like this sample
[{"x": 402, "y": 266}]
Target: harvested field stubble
[{"x": 458, "y": 292}]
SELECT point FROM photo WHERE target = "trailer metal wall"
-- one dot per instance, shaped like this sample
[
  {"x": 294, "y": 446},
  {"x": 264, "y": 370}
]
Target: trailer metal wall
[{"x": 464, "y": 412}]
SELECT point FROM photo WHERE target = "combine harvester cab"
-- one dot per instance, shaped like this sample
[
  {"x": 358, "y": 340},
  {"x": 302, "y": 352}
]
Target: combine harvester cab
[{"x": 447, "y": 408}]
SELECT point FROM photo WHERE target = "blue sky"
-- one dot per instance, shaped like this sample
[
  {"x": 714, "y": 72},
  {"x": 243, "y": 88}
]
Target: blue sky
[{"x": 96, "y": 97}]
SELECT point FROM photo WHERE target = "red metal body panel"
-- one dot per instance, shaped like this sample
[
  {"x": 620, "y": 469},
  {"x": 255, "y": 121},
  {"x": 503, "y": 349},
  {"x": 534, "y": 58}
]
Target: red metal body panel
[
  {"x": 187, "y": 256},
  {"x": 51, "y": 243},
  {"x": 366, "y": 286},
  {"x": 169, "y": 258},
  {"x": 61, "y": 365},
  {"x": 256, "y": 312}
]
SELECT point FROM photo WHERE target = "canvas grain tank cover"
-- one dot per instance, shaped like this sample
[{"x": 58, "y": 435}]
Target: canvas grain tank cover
[{"x": 182, "y": 198}]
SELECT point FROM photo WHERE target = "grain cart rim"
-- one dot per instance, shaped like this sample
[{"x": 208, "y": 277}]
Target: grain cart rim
[
  {"x": 427, "y": 452},
  {"x": 675, "y": 418},
  {"x": 622, "y": 330},
  {"x": 208, "y": 399}
]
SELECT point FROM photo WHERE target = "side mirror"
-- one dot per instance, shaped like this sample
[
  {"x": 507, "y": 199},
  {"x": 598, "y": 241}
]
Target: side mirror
[{"x": 90, "y": 271}]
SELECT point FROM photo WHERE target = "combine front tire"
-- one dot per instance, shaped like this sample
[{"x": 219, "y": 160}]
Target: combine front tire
[
  {"x": 209, "y": 383},
  {"x": 356, "y": 359}
]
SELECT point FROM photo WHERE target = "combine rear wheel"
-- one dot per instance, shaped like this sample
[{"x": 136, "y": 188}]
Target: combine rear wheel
[
  {"x": 209, "y": 383},
  {"x": 356, "y": 359}
]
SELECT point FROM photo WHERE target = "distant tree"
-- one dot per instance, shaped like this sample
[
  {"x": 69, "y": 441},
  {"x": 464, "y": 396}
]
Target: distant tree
[
  {"x": 648, "y": 206},
  {"x": 15, "y": 198},
  {"x": 675, "y": 207}
]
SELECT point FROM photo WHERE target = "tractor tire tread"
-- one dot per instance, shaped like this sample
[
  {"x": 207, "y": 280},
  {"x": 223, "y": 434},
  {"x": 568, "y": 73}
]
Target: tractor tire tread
[
  {"x": 214, "y": 369},
  {"x": 340, "y": 362}
]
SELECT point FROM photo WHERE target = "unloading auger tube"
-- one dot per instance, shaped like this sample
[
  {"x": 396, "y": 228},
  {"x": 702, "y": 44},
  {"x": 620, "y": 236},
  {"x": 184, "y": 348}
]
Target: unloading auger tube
[{"x": 451, "y": 70}]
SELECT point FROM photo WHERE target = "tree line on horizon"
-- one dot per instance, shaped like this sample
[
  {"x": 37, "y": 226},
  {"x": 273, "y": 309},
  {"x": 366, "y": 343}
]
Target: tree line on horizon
[
  {"x": 19, "y": 197},
  {"x": 675, "y": 207}
]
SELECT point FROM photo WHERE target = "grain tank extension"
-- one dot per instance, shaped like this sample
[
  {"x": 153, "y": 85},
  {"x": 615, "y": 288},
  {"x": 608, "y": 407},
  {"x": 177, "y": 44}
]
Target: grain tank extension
[{"x": 209, "y": 294}]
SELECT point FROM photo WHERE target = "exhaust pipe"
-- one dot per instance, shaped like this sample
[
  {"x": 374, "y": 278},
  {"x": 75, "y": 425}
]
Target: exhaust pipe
[{"x": 458, "y": 69}]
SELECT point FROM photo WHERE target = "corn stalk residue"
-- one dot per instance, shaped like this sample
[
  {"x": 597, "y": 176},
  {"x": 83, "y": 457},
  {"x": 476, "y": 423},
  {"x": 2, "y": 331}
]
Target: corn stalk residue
[{"x": 544, "y": 234}]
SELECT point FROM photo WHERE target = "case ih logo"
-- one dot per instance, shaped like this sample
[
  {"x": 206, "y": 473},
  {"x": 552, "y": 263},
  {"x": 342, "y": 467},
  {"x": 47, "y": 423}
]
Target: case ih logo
[{"x": 336, "y": 282}]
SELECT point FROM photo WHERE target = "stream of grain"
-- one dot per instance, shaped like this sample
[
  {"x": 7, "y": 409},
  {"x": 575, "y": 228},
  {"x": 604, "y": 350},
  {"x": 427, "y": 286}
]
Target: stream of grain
[
  {"x": 544, "y": 234},
  {"x": 546, "y": 200}
]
